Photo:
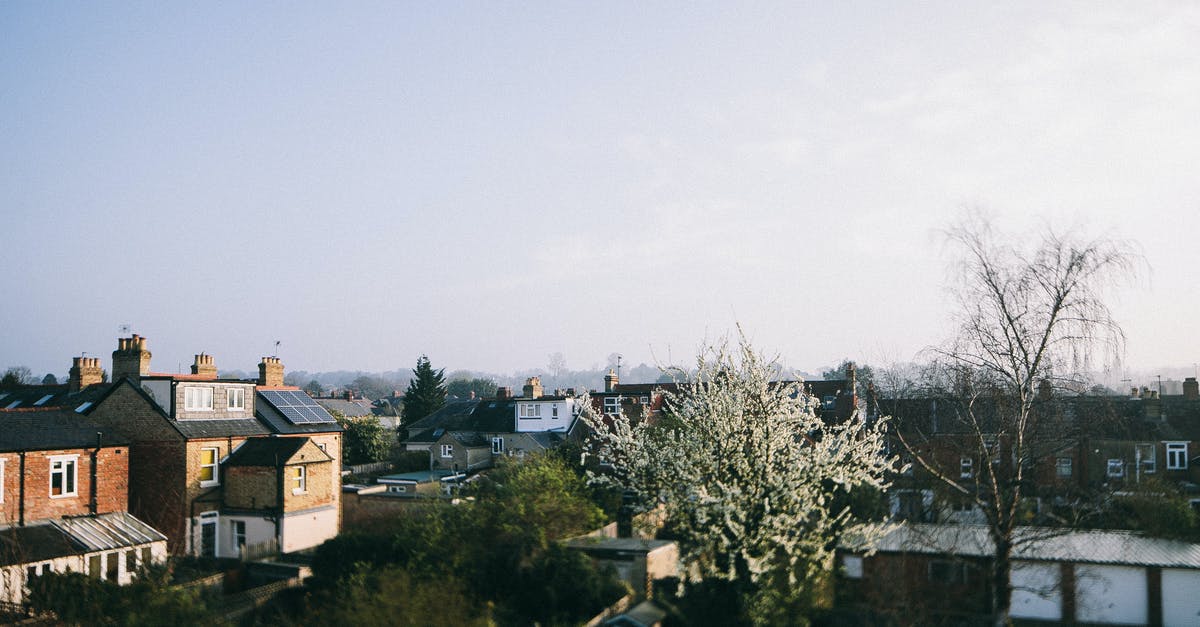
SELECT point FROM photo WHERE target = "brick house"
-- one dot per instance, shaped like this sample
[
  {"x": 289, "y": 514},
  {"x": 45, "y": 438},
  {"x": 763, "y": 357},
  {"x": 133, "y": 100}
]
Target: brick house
[
  {"x": 182, "y": 427},
  {"x": 63, "y": 499}
]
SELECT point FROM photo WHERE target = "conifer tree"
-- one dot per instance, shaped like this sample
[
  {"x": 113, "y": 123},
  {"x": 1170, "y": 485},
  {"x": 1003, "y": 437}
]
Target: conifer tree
[{"x": 426, "y": 392}]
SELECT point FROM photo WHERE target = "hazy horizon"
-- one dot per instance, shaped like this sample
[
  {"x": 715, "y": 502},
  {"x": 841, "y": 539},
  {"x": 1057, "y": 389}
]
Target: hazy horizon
[{"x": 491, "y": 184}]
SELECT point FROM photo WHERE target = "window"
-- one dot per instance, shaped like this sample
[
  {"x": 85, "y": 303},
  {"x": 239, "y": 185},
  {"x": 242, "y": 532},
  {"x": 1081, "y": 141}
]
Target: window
[
  {"x": 197, "y": 399},
  {"x": 554, "y": 411},
  {"x": 829, "y": 402},
  {"x": 852, "y": 566},
  {"x": 236, "y": 398},
  {"x": 966, "y": 467},
  {"x": 447, "y": 450},
  {"x": 94, "y": 566},
  {"x": 645, "y": 400},
  {"x": 299, "y": 480},
  {"x": 62, "y": 475},
  {"x": 612, "y": 405},
  {"x": 112, "y": 565},
  {"x": 1177, "y": 455},
  {"x": 208, "y": 467},
  {"x": 497, "y": 446},
  {"x": 1062, "y": 466},
  {"x": 130, "y": 562},
  {"x": 1116, "y": 468},
  {"x": 531, "y": 410},
  {"x": 947, "y": 572},
  {"x": 1148, "y": 456},
  {"x": 238, "y": 528}
]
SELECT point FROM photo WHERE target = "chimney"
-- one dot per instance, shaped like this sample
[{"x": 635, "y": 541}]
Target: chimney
[
  {"x": 503, "y": 393},
  {"x": 611, "y": 381},
  {"x": 1191, "y": 389},
  {"x": 270, "y": 372},
  {"x": 533, "y": 388},
  {"x": 204, "y": 366},
  {"x": 1045, "y": 390},
  {"x": 131, "y": 359},
  {"x": 85, "y": 371},
  {"x": 348, "y": 395}
]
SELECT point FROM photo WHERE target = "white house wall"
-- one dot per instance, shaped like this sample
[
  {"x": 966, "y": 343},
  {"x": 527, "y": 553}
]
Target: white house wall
[
  {"x": 546, "y": 421},
  {"x": 259, "y": 531},
  {"x": 303, "y": 530},
  {"x": 1181, "y": 597},
  {"x": 13, "y": 578},
  {"x": 1111, "y": 595},
  {"x": 1036, "y": 592}
]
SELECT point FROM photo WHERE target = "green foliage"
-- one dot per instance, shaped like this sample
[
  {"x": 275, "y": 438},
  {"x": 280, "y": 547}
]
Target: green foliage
[
  {"x": 412, "y": 461},
  {"x": 364, "y": 440},
  {"x": 49, "y": 379},
  {"x": 462, "y": 388},
  {"x": 495, "y": 552},
  {"x": 426, "y": 392},
  {"x": 17, "y": 375},
  {"x": 1156, "y": 508},
  {"x": 314, "y": 388},
  {"x": 81, "y": 600},
  {"x": 372, "y": 387}
]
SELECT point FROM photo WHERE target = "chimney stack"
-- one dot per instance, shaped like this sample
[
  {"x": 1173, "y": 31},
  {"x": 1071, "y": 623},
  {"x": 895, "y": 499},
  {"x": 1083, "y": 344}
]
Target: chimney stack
[
  {"x": 503, "y": 393},
  {"x": 611, "y": 381},
  {"x": 131, "y": 359},
  {"x": 85, "y": 371},
  {"x": 270, "y": 372},
  {"x": 533, "y": 388},
  {"x": 1191, "y": 389},
  {"x": 204, "y": 366},
  {"x": 1045, "y": 390}
]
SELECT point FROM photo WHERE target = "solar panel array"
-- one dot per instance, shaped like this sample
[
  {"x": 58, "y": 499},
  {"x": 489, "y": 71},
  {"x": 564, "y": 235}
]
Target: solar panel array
[{"x": 296, "y": 406}]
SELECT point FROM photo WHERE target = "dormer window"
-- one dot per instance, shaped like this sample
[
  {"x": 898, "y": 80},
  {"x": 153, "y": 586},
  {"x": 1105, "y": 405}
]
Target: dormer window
[
  {"x": 198, "y": 399},
  {"x": 530, "y": 410},
  {"x": 612, "y": 405},
  {"x": 236, "y": 398}
]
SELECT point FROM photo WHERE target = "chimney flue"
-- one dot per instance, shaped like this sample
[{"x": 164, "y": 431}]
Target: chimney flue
[
  {"x": 204, "y": 366},
  {"x": 270, "y": 372}
]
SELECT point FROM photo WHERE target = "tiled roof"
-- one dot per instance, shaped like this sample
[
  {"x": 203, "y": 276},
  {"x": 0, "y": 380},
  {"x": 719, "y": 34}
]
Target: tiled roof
[
  {"x": 1037, "y": 544},
  {"x": 267, "y": 452},
  {"x": 44, "y": 429},
  {"x": 350, "y": 409},
  {"x": 50, "y": 396},
  {"x": 482, "y": 415},
  {"x": 199, "y": 429}
]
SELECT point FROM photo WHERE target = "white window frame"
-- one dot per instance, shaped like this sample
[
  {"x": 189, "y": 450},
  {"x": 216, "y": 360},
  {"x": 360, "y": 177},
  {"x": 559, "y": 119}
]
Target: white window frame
[
  {"x": 966, "y": 467},
  {"x": 63, "y": 461},
  {"x": 554, "y": 411},
  {"x": 530, "y": 411},
  {"x": 300, "y": 479},
  {"x": 235, "y": 398},
  {"x": 612, "y": 405},
  {"x": 237, "y": 530},
  {"x": 2, "y": 461},
  {"x": 497, "y": 446},
  {"x": 1062, "y": 463},
  {"x": 447, "y": 450},
  {"x": 1115, "y": 468},
  {"x": 215, "y": 466},
  {"x": 197, "y": 398},
  {"x": 1150, "y": 460},
  {"x": 1177, "y": 455}
]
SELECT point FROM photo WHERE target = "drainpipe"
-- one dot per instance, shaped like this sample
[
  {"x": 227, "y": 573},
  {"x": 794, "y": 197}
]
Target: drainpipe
[
  {"x": 279, "y": 504},
  {"x": 95, "y": 458},
  {"x": 21, "y": 496}
]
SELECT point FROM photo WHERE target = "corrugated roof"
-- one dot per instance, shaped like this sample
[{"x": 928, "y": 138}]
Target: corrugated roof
[
  {"x": 108, "y": 531},
  {"x": 1090, "y": 546}
]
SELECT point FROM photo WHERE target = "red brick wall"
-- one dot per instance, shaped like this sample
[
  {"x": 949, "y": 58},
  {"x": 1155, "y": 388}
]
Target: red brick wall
[
  {"x": 112, "y": 484},
  {"x": 156, "y": 489}
]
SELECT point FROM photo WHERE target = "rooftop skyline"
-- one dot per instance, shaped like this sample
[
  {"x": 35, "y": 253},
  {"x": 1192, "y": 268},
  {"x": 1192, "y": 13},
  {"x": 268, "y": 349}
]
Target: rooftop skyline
[{"x": 490, "y": 184}]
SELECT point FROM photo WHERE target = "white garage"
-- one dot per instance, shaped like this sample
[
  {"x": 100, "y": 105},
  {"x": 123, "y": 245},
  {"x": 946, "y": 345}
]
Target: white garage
[
  {"x": 1181, "y": 597},
  {"x": 1111, "y": 594},
  {"x": 1036, "y": 591}
]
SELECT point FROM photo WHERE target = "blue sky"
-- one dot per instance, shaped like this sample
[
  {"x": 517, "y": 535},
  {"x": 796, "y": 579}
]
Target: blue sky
[{"x": 488, "y": 183}]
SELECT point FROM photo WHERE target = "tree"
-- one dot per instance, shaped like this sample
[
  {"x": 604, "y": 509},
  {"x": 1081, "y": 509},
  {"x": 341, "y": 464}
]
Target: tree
[
  {"x": 464, "y": 388},
  {"x": 364, "y": 440},
  {"x": 49, "y": 379},
  {"x": 426, "y": 392},
  {"x": 745, "y": 471},
  {"x": 314, "y": 388},
  {"x": 15, "y": 376},
  {"x": 864, "y": 374},
  {"x": 1031, "y": 315}
]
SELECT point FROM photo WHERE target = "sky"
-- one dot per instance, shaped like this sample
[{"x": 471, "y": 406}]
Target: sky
[{"x": 490, "y": 183}]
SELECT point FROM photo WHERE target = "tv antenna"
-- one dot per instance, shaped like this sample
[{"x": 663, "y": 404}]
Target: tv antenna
[
  {"x": 125, "y": 328},
  {"x": 276, "y": 354}
]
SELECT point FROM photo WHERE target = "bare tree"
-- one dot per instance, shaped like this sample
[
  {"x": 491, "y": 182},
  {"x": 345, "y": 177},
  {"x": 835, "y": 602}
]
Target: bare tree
[{"x": 1032, "y": 319}]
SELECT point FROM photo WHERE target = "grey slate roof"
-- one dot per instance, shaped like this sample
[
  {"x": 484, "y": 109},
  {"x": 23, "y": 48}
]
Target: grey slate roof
[
  {"x": 483, "y": 416},
  {"x": 26, "y": 396},
  {"x": 267, "y": 452},
  {"x": 220, "y": 428},
  {"x": 350, "y": 409},
  {"x": 45, "y": 429},
  {"x": 1090, "y": 546}
]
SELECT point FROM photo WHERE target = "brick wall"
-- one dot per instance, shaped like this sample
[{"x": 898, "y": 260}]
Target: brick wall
[
  {"x": 112, "y": 484},
  {"x": 250, "y": 487},
  {"x": 220, "y": 410}
]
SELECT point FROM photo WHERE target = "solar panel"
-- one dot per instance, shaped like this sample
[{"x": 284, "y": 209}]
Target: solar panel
[{"x": 297, "y": 406}]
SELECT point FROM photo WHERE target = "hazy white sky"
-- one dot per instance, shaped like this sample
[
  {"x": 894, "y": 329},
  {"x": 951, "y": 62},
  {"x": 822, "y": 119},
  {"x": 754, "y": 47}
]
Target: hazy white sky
[{"x": 489, "y": 183}]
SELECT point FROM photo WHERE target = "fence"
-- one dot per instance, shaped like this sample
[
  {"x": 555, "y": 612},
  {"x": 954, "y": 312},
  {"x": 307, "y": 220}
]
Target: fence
[
  {"x": 369, "y": 469},
  {"x": 268, "y": 548}
]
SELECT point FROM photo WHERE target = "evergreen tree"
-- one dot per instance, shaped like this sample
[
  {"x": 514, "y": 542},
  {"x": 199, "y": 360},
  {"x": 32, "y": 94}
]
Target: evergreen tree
[{"x": 426, "y": 392}]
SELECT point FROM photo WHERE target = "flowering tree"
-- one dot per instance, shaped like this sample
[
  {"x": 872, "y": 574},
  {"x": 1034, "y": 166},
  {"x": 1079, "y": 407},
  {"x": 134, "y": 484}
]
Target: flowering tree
[{"x": 744, "y": 468}]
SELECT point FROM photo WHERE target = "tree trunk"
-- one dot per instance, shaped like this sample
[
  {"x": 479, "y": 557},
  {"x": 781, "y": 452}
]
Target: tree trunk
[{"x": 1002, "y": 582}]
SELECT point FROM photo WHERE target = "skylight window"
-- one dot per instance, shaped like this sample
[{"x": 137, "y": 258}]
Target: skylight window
[
  {"x": 13, "y": 404},
  {"x": 43, "y": 399},
  {"x": 83, "y": 407}
]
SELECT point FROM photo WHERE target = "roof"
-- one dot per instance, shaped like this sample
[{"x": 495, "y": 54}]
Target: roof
[
  {"x": 74, "y": 536},
  {"x": 268, "y": 452},
  {"x": 479, "y": 415},
  {"x": 199, "y": 429},
  {"x": 1037, "y": 544},
  {"x": 27, "y": 396},
  {"x": 350, "y": 409},
  {"x": 44, "y": 429},
  {"x": 275, "y": 421}
]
